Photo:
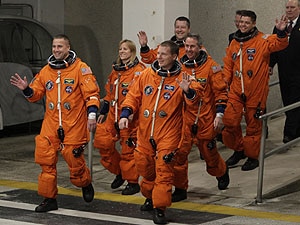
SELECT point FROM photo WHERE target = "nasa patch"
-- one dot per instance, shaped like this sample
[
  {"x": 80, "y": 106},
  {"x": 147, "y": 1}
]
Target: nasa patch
[
  {"x": 69, "y": 89},
  {"x": 49, "y": 85},
  {"x": 250, "y": 57},
  {"x": 167, "y": 96},
  {"x": 124, "y": 92},
  {"x": 148, "y": 90}
]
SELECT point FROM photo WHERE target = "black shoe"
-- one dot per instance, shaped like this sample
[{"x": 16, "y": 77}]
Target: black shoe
[
  {"x": 148, "y": 205},
  {"x": 131, "y": 189},
  {"x": 179, "y": 195},
  {"x": 88, "y": 193},
  {"x": 223, "y": 181},
  {"x": 159, "y": 216},
  {"x": 118, "y": 181},
  {"x": 286, "y": 139},
  {"x": 219, "y": 137},
  {"x": 47, "y": 205},
  {"x": 235, "y": 158},
  {"x": 250, "y": 164}
]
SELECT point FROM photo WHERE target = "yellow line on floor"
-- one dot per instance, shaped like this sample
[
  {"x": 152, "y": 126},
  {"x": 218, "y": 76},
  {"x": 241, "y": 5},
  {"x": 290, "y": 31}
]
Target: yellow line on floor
[{"x": 227, "y": 210}]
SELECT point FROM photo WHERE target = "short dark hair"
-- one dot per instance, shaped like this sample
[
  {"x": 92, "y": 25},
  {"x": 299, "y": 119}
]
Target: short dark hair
[
  {"x": 238, "y": 12},
  {"x": 174, "y": 48},
  {"x": 183, "y": 18},
  {"x": 197, "y": 37},
  {"x": 63, "y": 36},
  {"x": 249, "y": 13}
]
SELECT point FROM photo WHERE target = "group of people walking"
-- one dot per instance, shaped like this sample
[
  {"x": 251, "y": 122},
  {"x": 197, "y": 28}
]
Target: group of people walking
[{"x": 156, "y": 112}]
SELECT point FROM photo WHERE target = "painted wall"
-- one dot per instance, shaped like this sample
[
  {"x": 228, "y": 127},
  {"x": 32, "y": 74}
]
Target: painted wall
[
  {"x": 95, "y": 29},
  {"x": 96, "y": 26},
  {"x": 155, "y": 17}
]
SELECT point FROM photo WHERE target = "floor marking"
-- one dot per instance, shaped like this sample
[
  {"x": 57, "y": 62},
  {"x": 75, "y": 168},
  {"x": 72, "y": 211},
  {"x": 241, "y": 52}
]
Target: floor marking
[
  {"x": 14, "y": 222},
  {"x": 219, "y": 209},
  {"x": 82, "y": 214}
]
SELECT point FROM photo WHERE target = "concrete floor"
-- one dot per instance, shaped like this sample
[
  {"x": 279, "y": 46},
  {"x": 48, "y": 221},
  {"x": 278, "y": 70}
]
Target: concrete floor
[{"x": 281, "y": 175}]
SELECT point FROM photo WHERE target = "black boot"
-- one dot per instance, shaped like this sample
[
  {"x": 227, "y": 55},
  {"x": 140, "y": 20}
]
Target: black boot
[
  {"x": 159, "y": 216},
  {"x": 250, "y": 164},
  {"x": 131, "y": 189},
  {"x": 118, "y": 181},
  {"x": 148, "y": 205},
  {"x": 179, "y": 195},
  {"x": 219, "y": 137},
  {"x": 88, "y": 193},
  {"x": 235, "y": 158},
  {"x": 47, "y": 205},
  {"x": 224, "y": 180}
]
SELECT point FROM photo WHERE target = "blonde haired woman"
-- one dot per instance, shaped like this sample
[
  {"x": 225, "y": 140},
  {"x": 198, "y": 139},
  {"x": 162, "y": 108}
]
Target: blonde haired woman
[{"x": 125, "y": 69}]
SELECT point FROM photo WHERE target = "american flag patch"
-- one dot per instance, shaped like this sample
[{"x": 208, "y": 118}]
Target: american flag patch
[
  {"x": 86, "y": 71},
  {"x": 216, "y": 68}
]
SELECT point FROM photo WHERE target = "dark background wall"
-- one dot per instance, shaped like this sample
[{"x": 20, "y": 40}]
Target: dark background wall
[{"x": 95, "y": 29}]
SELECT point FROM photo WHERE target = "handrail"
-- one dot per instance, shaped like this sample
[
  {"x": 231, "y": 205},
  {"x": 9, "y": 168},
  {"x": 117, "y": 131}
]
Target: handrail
[
  {"x": 273, "y": 83},
  {"x": 262, "y": 154},
  {"x": 90, "y": 153},
  {"x": 281, "y": 110}
]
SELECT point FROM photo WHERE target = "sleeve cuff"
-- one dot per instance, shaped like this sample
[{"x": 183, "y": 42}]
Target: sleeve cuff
[
  {"x": 191, "y": 94},
  {"x": 281, "y": 33},
  {"x": 145, "y": 49},
  {"x": 220, "y": 108},
  {"x": 126, "y": 112},
  {"x": 92, "y": 109},
  {"x": 28, "y": 92}
]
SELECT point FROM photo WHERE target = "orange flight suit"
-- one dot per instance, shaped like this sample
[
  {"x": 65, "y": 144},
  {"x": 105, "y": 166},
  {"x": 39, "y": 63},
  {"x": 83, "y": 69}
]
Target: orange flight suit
[
  {"x": 255, "y": 72},
  {"x": 106, "y": 134},
  {"x": 79, "y": 90},
  {"x": 168, "y": 121},
  {"x": 209, "y": 75}
]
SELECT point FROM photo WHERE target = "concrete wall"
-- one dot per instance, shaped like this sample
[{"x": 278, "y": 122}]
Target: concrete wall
[
  {"x": 96, "y": 26},
  {"x": 155, "y": 17}
]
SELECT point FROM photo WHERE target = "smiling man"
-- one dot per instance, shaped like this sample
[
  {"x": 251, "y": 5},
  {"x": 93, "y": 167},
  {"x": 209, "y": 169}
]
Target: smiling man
[
  {"x": 159, "y": 96},
  {"x": 204, "y": 119},
  {"x": 181, "y": 30},
  {"x": 246, "y": 69},
  {"x": 72, "y": 100}
]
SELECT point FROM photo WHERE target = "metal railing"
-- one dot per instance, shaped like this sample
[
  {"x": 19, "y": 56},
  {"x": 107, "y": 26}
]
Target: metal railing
[
  {"x": 262, "y": 154},
  {"x": 90, "y": 153}
]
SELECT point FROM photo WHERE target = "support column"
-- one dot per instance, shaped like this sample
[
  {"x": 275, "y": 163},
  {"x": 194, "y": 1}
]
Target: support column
[{"x": 155, "y": 17}]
